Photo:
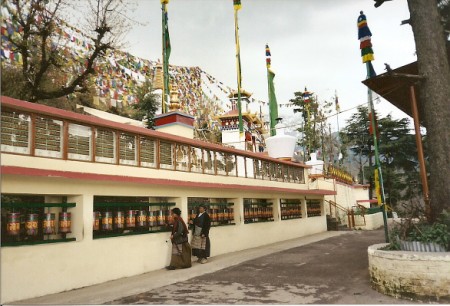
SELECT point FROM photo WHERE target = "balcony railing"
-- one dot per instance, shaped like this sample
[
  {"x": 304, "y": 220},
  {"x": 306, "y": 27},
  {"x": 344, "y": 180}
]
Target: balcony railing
[{"x": 38, "y": 130}]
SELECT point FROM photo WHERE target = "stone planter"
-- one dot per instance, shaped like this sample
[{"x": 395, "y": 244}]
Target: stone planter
[{"x": 419, "y": 276}]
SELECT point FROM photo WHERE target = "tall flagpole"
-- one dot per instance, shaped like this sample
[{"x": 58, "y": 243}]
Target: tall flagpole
[
  {"x": 364, "y": 35},
  {"x": 166, "y": 49},
  {"x": 338, "y": 110},
  {"x": 237, "y": 7}
]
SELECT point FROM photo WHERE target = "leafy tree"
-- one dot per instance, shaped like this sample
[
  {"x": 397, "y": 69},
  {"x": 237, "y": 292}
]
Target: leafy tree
[
  {"x": 314, "y": 118},
  {"x": 434, "y": 73},
  {"x": 51, "y": 67},
  {"x": 397, "y": 152},
  {"x": 356, "y": 137},
  {"x": 148, "y": 104}
]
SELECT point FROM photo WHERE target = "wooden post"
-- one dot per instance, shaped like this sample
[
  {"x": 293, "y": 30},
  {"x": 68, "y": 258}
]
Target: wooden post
[{"x": 423, "y": 171}]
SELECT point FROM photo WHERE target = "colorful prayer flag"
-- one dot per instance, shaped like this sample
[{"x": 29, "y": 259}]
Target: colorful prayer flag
[
  {"x": 267, "y": 50},
  {"x": 237, "y": 4},
  {"x": 307, "y": 95},
  {"x": 336, "y": 100},
  {"x": 364, "y": 36}
]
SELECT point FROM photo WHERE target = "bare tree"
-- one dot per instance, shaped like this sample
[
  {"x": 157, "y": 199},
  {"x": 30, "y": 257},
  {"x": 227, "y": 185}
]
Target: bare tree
[{"x": 53, "y": 66}]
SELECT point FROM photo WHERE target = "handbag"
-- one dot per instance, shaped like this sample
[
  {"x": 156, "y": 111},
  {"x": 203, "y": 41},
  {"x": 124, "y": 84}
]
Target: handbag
[
  {"x": 180, "y": 239},
  {"x": 197, "y": 230}
]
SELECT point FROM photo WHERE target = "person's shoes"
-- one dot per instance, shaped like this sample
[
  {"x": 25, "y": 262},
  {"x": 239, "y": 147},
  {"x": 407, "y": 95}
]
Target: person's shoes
[
  {"x": 199, "y": 260},
  {"x": 203, "y": 261},
  {"x": 170, "y": 268}
]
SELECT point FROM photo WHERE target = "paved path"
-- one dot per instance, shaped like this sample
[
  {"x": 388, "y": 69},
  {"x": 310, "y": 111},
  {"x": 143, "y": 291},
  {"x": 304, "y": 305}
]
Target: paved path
[
  {"x": 326, "y": 268},
  {"x": 330, "y": 271}
]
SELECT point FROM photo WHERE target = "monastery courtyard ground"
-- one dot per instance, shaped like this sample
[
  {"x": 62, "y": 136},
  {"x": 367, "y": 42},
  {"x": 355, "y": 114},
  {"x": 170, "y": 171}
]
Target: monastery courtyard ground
[{"x": 326, "y": 268}]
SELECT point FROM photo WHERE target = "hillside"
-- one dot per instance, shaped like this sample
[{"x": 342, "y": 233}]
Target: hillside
[{"x": 119, "y": 73}]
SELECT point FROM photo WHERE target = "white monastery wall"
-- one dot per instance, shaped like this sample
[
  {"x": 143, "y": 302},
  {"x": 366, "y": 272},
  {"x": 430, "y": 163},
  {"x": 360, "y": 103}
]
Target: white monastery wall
[{"x": 55, "y": 267}]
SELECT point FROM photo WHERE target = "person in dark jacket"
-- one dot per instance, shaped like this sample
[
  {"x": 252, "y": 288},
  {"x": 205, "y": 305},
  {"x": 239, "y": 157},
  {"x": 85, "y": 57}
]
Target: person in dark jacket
[
  {"x": 201, "y": 245},
  {"x": 181, "y": 250}
]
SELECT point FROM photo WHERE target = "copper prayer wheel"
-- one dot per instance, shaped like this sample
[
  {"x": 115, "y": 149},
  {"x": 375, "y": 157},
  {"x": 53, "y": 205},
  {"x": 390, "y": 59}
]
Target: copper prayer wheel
[
  {"x": 160, "y": 218},
  {"x": 119, "y": 220},
  {"x": 96, "y": 220},
  {"x": 31, "y": 224},
  {"x": 251, "y": 213},
  {"x": 220, "y": 214},
  {"x": 168, "y": 217},
  {"x": 151, "y": 218},
  {"x": 48, "y": 224},
  {"x": 214, "y": 214},
  {"x": 107, "y": 221},
  {"x": 231, "y": 214},
  {"x": 246, "y": 213},
  {"x": 13, "y": 224},
  {"x": 130, "y": 219},
  {"x": 141, "y": 218},
  {"x": 225, "y": 214},
  {"x": 65, "y": 222}
]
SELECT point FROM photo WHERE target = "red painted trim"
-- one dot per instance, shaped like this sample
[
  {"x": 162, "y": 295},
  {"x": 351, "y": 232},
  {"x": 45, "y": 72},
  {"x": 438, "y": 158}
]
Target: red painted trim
[
  {"x": 174, "y": 118},
  {"x": 13, "y": 170},
  {"x": 99, "y": 122}
]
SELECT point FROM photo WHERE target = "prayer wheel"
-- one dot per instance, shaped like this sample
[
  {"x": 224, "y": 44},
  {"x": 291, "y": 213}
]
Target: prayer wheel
[
  {"x": 220, "y": 214},
  {"x": 119, "y": 220},
  {"x": 130, "y": 219},
  {"x": 231, "y": 214},
  {"x": 160, "y": 218},
  {"x": 214, "y": 215},
  {"x": 246, "y": 213},
  {"x": 13, "y": 224},
  {"x": 96, "y": 220},
  {"x": 151, "y": 218},
  {"x": 31, "y": 224},
  {"x": 107, "y": 221},
  {"x": 48, "y": 224},
  {"x": 141, "y": 218},
  {"x": 225, "y": 214},
  {"x": 251, "y": 213},
  {"x": 65, "y": 222},
  {"x": 168, "y": 217}
]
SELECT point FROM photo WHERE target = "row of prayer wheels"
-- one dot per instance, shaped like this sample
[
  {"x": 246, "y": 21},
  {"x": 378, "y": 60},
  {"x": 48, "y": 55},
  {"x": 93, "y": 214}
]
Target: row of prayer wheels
[
  {"x": 290, "y": 212},
  {"x": 130, "y": 219},
  {"x": 258, "y": 212},
  {"x": 220, "y": 214},
  {"x": 314, "y": 211},
  {"x": 32, "y": 221}
]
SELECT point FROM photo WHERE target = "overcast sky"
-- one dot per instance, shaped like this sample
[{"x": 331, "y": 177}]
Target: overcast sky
[{"x": 314, "y": 43}]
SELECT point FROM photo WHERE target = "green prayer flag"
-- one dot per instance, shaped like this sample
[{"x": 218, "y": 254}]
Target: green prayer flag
[
  {"x": 166, "y": 55},
  {"x": 273, "y": 106}
]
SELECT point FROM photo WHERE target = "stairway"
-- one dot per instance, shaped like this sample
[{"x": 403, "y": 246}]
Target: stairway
[{"x": 334, "y": 225}]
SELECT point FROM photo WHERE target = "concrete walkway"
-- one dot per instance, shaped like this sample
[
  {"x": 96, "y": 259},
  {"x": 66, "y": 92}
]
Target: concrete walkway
[{"x": 311, "y": 269}]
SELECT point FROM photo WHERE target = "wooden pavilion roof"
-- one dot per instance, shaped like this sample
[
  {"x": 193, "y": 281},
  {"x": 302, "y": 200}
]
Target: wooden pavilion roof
[{"x": 395, "y": 86}]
